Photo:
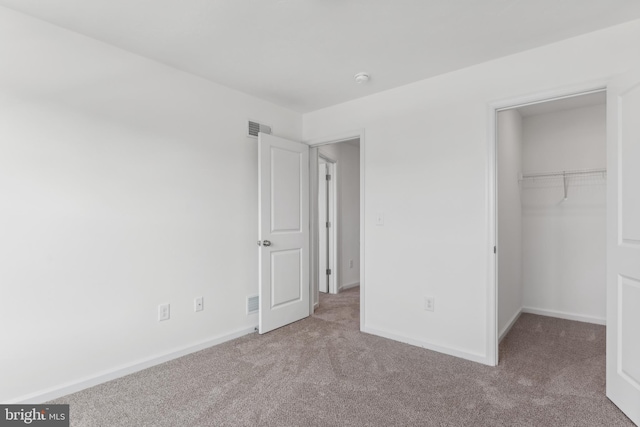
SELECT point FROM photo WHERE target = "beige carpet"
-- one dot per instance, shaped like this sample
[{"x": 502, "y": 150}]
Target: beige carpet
[{"x": 322, "y": 371}]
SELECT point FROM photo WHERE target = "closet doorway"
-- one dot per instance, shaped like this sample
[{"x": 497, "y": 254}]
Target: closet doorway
[{"x": 551, "y": 210}]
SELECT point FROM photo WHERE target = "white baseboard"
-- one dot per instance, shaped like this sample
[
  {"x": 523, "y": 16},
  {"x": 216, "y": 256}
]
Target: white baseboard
[
  {"x": 348, "y": 286},
  {"x": 509, "y": 325},
  {"x": 474, "y": 357},
  {"x": 90, "y": 381},
  {"x": 564, "y": 315}
]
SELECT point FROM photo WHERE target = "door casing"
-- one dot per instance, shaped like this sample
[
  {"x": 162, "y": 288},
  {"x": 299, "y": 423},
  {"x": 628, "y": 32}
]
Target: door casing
[
  {"x": 492, "y": 196},
  {"x": 313, "y": 156}
]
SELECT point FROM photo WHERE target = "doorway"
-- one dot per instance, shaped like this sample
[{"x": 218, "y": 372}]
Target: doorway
[
  {"x": 551, "y": 210},
  {"x": 337, "y": 222},
  {"x": 288, "y": 211}
]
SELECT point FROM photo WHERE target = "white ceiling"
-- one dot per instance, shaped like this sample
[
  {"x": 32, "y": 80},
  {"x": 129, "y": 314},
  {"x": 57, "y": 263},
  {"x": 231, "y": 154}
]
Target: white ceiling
[{"x": 302, "y": 54}]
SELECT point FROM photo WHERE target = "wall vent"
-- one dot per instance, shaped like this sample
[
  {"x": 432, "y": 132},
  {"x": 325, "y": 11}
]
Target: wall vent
[
  {"x": 253, "y": 304},
  {"x": 255, "y": 127}
]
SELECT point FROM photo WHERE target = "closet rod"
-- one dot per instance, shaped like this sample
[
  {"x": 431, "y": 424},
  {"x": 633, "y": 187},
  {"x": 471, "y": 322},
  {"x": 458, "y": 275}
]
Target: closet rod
[{"x": 564, "y": 174}]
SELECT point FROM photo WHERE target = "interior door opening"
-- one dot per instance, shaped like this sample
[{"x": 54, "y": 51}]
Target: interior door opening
[
  {"x": 338, "y": 218},
  {"x": 551, "y": 205},
  {"x": 288, "y": 225},
  {"x": 567, "y": 230}
]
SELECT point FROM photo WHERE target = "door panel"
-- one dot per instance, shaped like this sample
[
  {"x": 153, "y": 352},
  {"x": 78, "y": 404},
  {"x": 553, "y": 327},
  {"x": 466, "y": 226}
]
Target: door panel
[
  {"x": 283, "y": 170},
  {"x": 286, "y": 267},
  {"x": 629, "y": 341},
  {"x": 629, "y": 104},
  {"x": 285, "y": 190},
  {"x": 623, "y": 244}
]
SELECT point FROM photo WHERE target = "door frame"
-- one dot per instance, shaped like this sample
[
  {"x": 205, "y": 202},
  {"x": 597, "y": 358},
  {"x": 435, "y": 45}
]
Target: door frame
[
  {"x": 332, "y": 242},
  {"x": 493, "y": 109},
  {"x": 335, "y": 139}
]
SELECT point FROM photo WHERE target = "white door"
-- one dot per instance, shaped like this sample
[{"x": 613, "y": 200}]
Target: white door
[
  {"x": 283, "y": 227},
  {"x": 623, "y": 244},
  {"x": 323, "y": 248},
  {"x": 331, "y": 230}
]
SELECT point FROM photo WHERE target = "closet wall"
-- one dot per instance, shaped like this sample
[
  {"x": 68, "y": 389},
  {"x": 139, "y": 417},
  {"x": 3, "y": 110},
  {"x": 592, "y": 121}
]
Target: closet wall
[
  {"x": 564, "y": 241},
  {"x": 552, "y": 250},
  {"x": 509, "y": 217}
]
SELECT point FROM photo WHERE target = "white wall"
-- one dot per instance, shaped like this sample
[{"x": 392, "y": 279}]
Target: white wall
[
  {"x": 347, "y": 157},
  {"x": 427, "y": 157},
  {"x": 125, "y": 184},
  {"x": 509, "y": 161},
  {"x": 564, "y": 241}
]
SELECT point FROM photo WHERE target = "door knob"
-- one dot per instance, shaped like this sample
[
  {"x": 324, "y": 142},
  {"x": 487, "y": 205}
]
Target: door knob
[{"x": 266, "y": 243}]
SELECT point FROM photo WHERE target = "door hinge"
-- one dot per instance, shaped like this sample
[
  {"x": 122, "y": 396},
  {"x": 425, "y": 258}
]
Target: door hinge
[
  {"x": 328, "y": 177},
  {"x": 328, "y": 271},
  {"x": 495, "y": 250},
  {"x": 328, "y": 224}
]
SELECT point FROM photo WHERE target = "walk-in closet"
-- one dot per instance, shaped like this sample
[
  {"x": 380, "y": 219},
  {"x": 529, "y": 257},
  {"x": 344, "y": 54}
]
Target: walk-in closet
[{"x": 551, "y": 189}]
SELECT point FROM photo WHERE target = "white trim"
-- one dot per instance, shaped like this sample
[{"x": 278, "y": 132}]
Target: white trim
[
  {"x": 565, "y": 315},
  {"x": 491, "y": 347},
  {"x": 492, "y": 214},
  {"x": 362, "y": 230},
  {"x": 349, "y": 286},
  {"x": 527, "y": 101},
  {"x": 507, "y": 328},
  {"x": 550, "y": 95},
  {"x": 341, "y": 137},
  {"x": 118, "y": 372},
  {"x": 474, "y": 357},
  {"x": 337, "y": 138},
  {"x": 314, "y": 260},
  {"x": 550, "y": 313}
]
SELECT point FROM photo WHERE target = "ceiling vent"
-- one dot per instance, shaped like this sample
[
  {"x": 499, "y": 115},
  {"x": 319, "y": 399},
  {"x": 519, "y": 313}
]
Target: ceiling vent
[{"x": 255, "y": 127}]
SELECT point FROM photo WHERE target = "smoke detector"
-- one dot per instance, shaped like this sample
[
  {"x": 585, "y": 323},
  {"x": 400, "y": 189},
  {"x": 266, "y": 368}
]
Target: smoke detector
[{"x": 361, "y": 78}]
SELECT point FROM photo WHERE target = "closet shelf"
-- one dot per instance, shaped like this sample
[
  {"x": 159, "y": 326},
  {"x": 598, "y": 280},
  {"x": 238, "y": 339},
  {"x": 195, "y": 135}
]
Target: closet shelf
[{"x": 565, "y": 174}]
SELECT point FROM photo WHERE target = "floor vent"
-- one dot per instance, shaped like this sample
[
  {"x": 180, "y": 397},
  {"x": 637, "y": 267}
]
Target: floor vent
[
  {"x": 253, "y": 304},
  {"x": 255, "y": 127}
]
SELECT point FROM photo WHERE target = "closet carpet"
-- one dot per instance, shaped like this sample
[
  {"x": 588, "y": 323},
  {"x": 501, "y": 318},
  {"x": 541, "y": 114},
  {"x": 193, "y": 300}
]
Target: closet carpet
[{"x": 322, "y": 371}]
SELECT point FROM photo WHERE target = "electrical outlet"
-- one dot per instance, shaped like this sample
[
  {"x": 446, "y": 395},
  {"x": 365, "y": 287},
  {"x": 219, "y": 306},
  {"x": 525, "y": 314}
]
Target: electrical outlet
[
  {"x": 163, "y": 312},
  {"x": 350, "y": 263},
  {"x": 198, "y": 304},
  {"x": 429, "y": 303}
]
